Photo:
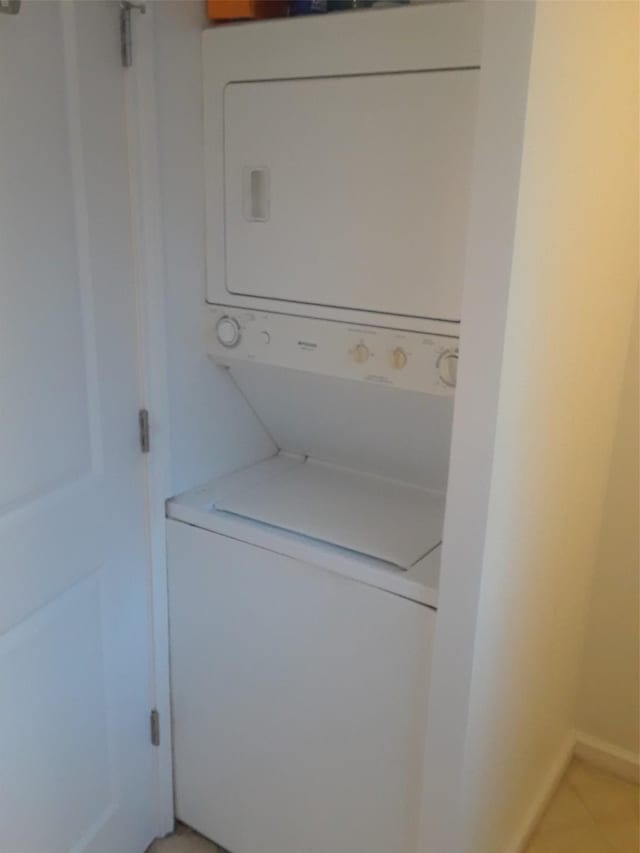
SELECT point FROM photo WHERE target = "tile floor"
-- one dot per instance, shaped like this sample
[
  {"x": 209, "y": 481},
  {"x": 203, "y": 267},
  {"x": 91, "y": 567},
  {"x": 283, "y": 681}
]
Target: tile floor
[
  {"x": 184, "y": 840},
  {"x": 591, "y": 812}
]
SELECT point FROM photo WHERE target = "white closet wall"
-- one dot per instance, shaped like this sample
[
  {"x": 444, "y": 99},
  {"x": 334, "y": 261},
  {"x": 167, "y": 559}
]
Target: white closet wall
[
  {"x": 608, "y": 702},
  {"x": 571, "y": 297},
  {"x": 213, "y": 430}
]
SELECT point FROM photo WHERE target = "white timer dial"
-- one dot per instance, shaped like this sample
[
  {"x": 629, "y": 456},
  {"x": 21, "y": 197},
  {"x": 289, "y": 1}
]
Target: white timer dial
[
  {"x": 228, "y": 331},
  {"x": 448, "y": 367}
]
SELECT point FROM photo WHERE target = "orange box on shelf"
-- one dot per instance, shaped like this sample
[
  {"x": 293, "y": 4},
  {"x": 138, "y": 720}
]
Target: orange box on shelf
[{"x": 233, "y": 10}]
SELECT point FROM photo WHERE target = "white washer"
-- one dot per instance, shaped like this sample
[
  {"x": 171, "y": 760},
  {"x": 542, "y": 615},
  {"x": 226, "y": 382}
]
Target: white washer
[{"x": 300, "y": 667}]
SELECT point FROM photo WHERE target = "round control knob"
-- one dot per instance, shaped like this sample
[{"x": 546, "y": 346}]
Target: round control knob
[
  {"x": 448, "y": 367},
  {"x": 360, "y": 354},
  {"x": 398, "y": 358},
  {"x": 228, "y": 331}
]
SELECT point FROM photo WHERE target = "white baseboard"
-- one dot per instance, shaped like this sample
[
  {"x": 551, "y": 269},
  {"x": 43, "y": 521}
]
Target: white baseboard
[
  {"x": 545, "y": 792},
  {"x": 608, "y": 757}
]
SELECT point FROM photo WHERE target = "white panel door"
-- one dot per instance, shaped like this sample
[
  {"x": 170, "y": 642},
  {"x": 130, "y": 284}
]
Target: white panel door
[
  {"x": 75, "y": 758},
  {"x": 350, "y": 192}
]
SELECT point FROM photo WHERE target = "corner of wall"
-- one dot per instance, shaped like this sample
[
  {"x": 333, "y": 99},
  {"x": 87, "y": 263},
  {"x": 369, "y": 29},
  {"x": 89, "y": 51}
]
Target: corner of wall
[{"x": 608, "y": 699}]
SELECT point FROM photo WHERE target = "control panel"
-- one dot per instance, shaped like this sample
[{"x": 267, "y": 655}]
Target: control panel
[{"x": 412, "y": 360}]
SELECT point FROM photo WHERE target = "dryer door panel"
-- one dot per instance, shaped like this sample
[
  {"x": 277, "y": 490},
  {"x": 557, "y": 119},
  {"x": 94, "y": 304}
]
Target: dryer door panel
[{"x": 350, "y": 192}]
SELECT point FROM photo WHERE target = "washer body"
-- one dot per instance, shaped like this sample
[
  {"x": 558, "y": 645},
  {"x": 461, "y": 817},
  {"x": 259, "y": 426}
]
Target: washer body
[{"x": 300, "y": 677}]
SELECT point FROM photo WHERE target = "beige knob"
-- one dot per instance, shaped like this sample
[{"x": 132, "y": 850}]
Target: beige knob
[
  {"x": 360, "y": 354},
  {"x": 398, "y": 358}
]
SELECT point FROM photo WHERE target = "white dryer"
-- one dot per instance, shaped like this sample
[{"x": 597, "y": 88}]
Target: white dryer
[
  {"x": 339, "y": 155},
  {"x": 302, "y": 600}
]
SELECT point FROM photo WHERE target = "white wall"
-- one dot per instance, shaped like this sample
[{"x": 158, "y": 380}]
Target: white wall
[
  {"x": 573, "y": 279},
  {"x": 608, "y": 702},
  {"x": 508, "y": 31},
  {"x": 212, "y": 428}
]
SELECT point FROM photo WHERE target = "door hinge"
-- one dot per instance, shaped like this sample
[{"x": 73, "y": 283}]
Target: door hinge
[
  {"x": 154, "y": 727},
  {"x": 126, "y": 43},
  {"x": 10, "y": 7},
  {"x": 143, "y": 428}
]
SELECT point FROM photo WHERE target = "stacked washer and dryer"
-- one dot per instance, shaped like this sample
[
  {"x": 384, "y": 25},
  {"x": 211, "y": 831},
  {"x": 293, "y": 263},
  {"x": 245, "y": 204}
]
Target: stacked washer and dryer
[{"x": 304, "y": 588}]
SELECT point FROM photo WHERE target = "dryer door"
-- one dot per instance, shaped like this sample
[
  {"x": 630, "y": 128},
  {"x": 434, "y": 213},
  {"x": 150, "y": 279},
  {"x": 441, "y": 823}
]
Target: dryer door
[{"x": 350, "y": 192}]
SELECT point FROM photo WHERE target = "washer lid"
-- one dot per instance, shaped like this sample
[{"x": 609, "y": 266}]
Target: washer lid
[{"x": 371, "y": 515}]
